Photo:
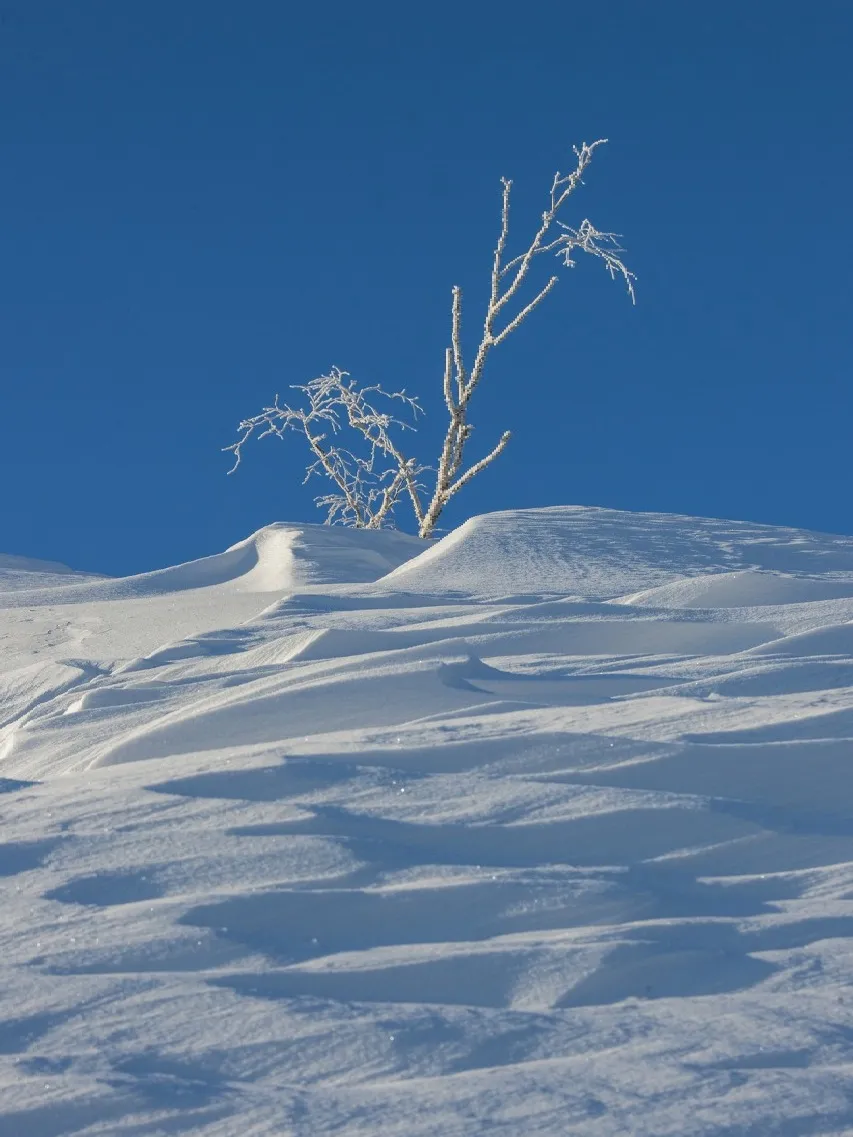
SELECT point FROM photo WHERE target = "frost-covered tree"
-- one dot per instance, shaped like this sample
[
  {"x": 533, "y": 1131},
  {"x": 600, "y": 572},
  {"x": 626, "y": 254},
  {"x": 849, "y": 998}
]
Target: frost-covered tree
[
  {"x": 369, "y": 481},
  {"x": 373, "y": 473}
]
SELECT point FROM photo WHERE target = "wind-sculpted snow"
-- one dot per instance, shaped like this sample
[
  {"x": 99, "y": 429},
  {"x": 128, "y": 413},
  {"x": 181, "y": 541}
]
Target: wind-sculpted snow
[
  {"x": 544, "y": 829},
  {"x": 25, "y": 574},
  {"x": 609, "y": 553}
]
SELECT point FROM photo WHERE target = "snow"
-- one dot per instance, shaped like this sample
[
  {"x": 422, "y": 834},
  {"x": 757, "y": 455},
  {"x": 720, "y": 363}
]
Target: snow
[
  {"x": 27, "y": 574},
  {"x": 546, "y": 828}
]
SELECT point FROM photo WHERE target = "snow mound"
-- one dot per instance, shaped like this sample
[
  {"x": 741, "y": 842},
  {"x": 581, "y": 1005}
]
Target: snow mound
[
  {"x": 278, "y": 558},
  {"x": 25, "y": 573},
  {"x": 282, "y": 557},
  {"x": 748, "y": 589},
  {"x": 9, "y": 563},
  {"x": 835, "y": 639},
  {"x": 607, "y": 553}
]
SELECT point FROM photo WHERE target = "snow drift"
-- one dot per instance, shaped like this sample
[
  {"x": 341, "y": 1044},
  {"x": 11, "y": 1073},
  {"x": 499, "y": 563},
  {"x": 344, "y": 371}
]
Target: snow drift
[{"x": 545, "y": 827}]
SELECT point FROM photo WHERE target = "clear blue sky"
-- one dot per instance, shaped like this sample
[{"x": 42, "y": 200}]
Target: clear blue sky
[{"x": 205, "y": 201}]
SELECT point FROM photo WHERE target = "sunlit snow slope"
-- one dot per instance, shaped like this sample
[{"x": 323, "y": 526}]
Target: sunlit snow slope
[{"x": 544, "y": 829}]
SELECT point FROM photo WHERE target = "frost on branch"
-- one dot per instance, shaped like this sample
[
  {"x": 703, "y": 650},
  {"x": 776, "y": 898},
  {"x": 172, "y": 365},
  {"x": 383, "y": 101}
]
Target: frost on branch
[
  {"x": 460, "y": 382},
  {"x": 369, "y": 481},
  {"x": 370, "y": 485}
]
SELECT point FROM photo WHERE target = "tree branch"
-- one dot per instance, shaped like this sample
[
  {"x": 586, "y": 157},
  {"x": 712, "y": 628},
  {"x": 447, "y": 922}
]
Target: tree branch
[{"x": 370, "y": 483}]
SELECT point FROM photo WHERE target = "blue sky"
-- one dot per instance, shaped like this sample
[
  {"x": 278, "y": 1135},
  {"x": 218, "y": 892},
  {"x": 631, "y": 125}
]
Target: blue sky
[{"x": 204, "y": 202}]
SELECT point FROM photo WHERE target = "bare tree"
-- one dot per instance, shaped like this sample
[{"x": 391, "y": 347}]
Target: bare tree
[
  {"x": 369, "y": 490},
  {"x": 370, "y": 483}
]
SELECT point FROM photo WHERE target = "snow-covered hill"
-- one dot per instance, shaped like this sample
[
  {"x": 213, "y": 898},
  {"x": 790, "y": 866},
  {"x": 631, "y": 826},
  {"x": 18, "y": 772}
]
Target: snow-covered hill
[{"x": 544, "y": 829}]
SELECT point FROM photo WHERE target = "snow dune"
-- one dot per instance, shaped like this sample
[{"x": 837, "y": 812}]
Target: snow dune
[{"x": 545, "y": 828}]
